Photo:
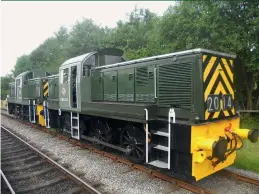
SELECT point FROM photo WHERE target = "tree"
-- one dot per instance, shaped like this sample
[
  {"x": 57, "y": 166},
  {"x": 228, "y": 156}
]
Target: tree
[
  {"x": 85, "y": 37},
  {"x": 136, "y": 35},
  {"x": 23, "y": 63},
  {"x": 226, "y": 26},
  {"x": 5, "y": 80},
  {"x": 229, "y": 26}
]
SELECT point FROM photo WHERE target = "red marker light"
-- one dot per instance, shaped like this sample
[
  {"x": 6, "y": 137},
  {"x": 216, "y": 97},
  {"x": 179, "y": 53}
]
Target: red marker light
[{"x": 228, "y": 128}]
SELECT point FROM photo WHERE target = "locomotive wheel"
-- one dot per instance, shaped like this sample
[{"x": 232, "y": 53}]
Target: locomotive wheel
[
  {"x": 66, "y": 123},
  {"x": 102, "y": 132},
  {"x": 133, "y": 138},
  {"x": 83, "y": 128}
]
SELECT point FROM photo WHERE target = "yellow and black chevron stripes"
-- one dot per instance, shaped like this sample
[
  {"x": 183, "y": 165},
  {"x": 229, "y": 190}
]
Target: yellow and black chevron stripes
[
  {"x": 45, "y": 88},
  {"x": 217, "y": 79}
]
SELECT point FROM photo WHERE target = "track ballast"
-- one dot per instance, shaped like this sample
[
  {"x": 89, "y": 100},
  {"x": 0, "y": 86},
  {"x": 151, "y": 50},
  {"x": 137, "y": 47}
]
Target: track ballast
[{"x": 30, "y": 171}]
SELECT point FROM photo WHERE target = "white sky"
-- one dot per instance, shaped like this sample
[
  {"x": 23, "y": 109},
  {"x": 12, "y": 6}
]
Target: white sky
[{"x": 25, "y": 25}]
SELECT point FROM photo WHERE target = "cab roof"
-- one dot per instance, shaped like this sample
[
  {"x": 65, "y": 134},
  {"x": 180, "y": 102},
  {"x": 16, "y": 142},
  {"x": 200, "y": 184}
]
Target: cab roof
[
  {"x": 186, "y": 52},
  {"x": 22, "y": 74},
  {"x": 103, "y": 51}
]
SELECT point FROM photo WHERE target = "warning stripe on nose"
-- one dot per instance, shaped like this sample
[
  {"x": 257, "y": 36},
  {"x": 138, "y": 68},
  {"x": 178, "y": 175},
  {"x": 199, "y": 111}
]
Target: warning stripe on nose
[
  {"x": 45, "y": 88},
  {"x": 218, "y": 80}
]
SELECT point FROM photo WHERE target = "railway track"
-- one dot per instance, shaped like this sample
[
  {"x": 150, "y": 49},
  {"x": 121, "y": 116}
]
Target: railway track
[
  {"x": 240, "y": 177},
  {"x": 152, "y": 173},
  {"x": 27, "y": 170}
]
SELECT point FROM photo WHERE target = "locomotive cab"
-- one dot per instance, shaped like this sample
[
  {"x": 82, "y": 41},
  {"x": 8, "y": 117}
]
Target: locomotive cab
[{"x": 75, "y": 76}]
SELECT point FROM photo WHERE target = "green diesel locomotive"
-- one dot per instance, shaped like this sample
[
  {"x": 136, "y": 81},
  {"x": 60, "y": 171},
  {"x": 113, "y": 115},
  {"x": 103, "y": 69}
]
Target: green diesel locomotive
[{"x": 174, "y": 111}]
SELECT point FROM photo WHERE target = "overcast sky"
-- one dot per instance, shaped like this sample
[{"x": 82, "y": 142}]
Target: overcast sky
[{"x": 25, "y": 25}]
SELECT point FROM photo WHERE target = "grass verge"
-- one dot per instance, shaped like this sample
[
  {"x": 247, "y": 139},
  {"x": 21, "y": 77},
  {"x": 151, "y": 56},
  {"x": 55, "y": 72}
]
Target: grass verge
[{"x": 248, "y": 156}]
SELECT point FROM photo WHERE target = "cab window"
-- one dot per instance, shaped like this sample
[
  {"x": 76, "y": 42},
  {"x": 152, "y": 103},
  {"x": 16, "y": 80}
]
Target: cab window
[
  {"x": 63, "y": 75},
  {"x": 110, "y": 59},
  {"x": 28, "y": 76},
  {"x": 12, "y": 90},
  {"x": 18, "y": 83},
  {"x": 88, "y": 64}
]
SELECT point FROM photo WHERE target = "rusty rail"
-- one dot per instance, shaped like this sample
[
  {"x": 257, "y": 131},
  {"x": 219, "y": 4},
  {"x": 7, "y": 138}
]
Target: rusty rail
[
  {"x": 240, "y": 177},
  {"x": 87, "y": 187}
]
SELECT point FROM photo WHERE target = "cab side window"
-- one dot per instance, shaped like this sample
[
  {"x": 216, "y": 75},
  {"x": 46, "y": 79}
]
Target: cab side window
[
  {"x": 88, "y": 64},
  {"x": 12, "y": 90},
  {"x": 28, "y": 76},
  {"x": 18, "y": 83},
  {"x": 64, "y": 75},
  {"x": 86, "y": 70}
]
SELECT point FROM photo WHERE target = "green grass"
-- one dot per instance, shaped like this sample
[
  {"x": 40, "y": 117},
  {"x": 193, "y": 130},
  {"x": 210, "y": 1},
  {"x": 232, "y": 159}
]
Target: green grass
[{"x": 248, "y": 156}]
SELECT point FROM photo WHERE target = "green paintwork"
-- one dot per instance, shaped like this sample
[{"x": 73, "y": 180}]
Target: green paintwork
[
  {"x": 97, "y": 86},
  {"x": 110, "y": 86},
  {"x": 53, "y": 96},
  {"x": 123, "y": 90},
  {"x": 85, "y": 82},
  {"x": 126, "y": 85},
  {"x": 144, "y": 82},
  {"x": 27, "y": 86}
]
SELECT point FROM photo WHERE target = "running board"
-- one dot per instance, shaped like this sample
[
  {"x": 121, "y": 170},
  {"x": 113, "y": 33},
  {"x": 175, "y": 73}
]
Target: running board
[{"x": 159, "y": 164}]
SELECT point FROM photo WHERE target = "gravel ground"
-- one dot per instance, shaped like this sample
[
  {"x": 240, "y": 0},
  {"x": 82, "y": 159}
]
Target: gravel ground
[
  {"x": 103, "y": 173},
  {"x": 37, "y": 179},
  {"x": 113, "y": 177},
  {"x": 245, "y": 172},
  {"x": 61, "y": 187},
  {"x": 221, "y": 184}
]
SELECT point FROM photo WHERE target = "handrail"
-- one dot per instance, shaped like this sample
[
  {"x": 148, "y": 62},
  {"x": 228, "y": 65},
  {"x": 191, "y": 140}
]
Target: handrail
[
  {"x": 248, "y": 111},
  {"x": 146, "y": 135},
  {"x": 155, "y": 82}
]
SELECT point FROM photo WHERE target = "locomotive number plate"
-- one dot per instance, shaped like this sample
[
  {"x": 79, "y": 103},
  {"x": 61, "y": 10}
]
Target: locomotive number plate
[
  {"x": 214, "y": 102},
  {"x": 227, "y": 102}
]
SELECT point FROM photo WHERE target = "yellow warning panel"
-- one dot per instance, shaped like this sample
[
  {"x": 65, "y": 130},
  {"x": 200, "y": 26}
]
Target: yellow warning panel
[
  {"x": 40, "y": 116},
  {"x": 202, "y": 139}
]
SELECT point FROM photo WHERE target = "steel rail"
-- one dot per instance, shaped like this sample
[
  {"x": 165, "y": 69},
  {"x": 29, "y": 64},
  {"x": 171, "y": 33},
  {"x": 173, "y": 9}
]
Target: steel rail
[
  {"x": 240, "y": 177},
  {"x": 7, "y": 183},
  {"x": 82, "y": 183}
]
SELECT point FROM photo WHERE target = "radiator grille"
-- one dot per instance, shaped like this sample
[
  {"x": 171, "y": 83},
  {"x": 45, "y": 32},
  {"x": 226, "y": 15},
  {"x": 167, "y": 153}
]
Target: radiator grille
[{"x": 174, "y": 85}]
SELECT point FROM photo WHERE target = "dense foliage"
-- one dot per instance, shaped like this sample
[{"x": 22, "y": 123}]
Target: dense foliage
[
  {"x": 227, "y": 26},
  {"x": 5, "y": 86}
]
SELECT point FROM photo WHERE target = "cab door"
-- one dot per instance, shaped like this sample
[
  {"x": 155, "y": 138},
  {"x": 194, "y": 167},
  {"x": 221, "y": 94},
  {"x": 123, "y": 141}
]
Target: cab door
[
  {"x": 73, "y": 80},
  {"x": 64, "y": 87},
  {"x": 18, "y": 89}
]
